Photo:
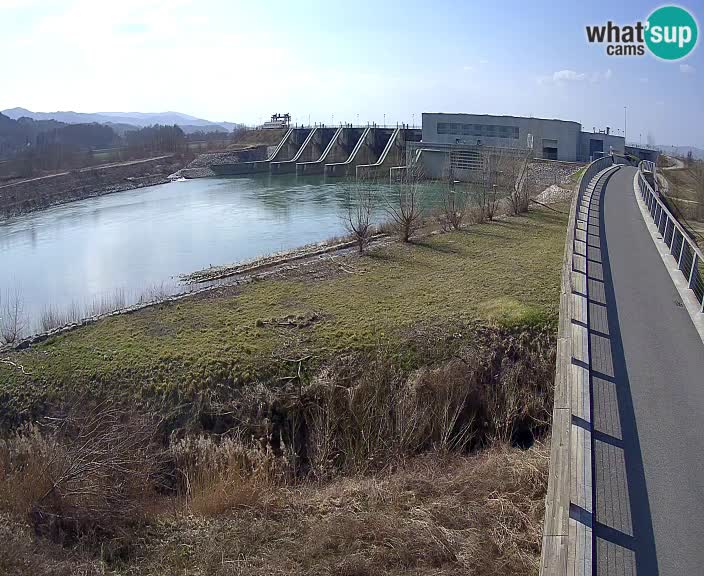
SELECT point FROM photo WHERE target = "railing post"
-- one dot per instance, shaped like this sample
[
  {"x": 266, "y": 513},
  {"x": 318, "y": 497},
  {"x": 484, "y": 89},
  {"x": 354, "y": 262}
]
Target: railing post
[
  {"x": 679, "y": 260},
  {"x": 664, "y": 234},
  {"x": 691, "y": 272}
]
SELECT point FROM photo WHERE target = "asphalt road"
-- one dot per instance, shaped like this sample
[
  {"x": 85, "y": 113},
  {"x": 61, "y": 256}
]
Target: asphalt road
[{"x": 661, "y": 361}]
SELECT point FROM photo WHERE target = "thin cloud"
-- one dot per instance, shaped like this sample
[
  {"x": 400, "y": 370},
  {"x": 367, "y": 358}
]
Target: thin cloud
[
  {"x": 562, "y": 77},
  {"x": 597, "y": 77},
  {"x": 687, "y": 69}
]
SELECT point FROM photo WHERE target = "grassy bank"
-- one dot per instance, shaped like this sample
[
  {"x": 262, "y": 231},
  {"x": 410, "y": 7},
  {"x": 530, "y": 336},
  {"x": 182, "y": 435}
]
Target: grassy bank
[
  {"x": 504, "y": 272},
  {"x": 385, "y": 413}
]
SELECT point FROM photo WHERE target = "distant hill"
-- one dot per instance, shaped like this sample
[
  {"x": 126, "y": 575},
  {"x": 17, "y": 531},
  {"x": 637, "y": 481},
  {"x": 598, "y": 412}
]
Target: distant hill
[
  {"x": 119, "y": 120},
  {"x": 42, "y": 135},
  {"x": 681, "y": 151}
]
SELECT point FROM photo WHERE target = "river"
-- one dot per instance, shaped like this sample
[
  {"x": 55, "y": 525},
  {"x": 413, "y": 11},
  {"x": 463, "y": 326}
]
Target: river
[{"x": 77, "y": 258}]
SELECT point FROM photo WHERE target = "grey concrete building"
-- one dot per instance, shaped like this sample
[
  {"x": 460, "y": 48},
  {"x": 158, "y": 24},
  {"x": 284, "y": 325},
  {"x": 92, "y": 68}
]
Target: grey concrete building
[{"x": 550, "y": 139}]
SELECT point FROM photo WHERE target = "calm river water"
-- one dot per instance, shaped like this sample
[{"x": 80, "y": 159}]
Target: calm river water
[{"x": 75, "y": 255}]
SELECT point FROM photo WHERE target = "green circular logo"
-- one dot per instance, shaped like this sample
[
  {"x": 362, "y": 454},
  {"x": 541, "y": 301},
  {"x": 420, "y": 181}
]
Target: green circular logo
[{"x": 671, "y": 32}]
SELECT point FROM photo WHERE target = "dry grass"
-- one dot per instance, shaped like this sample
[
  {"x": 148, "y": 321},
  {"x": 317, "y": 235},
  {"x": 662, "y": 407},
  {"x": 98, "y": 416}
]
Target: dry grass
[
  {"x": 359, "y": 468},
  {"x": 217, "y": 476},
  {"x": 433, "y": 515}
]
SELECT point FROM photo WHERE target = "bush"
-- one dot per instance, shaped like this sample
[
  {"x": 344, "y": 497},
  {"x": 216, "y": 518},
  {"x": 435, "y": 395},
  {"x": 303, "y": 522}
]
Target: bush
[{"x": 85, "y": 475}]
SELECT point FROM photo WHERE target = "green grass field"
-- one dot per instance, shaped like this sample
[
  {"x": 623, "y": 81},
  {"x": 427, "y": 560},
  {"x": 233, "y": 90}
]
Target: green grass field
[{"x": 506, "y": 272}]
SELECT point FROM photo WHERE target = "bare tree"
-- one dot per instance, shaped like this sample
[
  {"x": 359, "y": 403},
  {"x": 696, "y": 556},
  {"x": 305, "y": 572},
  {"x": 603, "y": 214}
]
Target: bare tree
[
  {"x": 405, "y": 204},
  {"x": 487, "y": 192},
  {"x": 358, "y": 218},
  {"x": 12, "y": 319},
  {"x": 503, "y": 175},
  {"x": 454, "y": 206},
  {"x": 515, "y": 168},
  {"x": 454, "y": 201}
]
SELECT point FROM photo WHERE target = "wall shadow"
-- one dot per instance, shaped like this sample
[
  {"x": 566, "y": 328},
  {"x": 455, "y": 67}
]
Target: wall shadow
[{"x": 642, "y": 542}]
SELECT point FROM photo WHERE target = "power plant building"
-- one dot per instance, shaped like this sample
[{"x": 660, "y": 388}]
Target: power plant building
[{"x": 548, "y": 138}]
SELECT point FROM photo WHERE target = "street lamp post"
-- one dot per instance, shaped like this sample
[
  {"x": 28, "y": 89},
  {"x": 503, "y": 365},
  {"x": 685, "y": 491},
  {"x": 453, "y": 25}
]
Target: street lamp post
[{"x": 625, "y": 133}]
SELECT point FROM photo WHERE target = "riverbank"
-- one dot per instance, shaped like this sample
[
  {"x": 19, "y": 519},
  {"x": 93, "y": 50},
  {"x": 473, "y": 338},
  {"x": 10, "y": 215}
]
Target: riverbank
[
  {"x": 510, "y": 269},
  {"x": 402, "y": 396},
  {"x": 34, "y": 194}
]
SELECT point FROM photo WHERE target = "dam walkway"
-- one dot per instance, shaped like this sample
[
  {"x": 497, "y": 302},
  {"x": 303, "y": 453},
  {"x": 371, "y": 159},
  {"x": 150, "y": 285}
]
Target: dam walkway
[{"x": 627, "y": 474}]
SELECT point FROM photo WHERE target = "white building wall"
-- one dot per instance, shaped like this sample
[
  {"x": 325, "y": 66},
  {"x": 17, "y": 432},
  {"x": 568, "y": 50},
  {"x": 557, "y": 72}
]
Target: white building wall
[{"x": 504, "y": 131}]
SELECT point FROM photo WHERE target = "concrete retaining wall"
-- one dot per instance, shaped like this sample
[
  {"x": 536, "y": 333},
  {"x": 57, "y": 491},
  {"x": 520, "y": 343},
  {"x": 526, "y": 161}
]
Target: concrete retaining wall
[{"x": 567, "y": 532}]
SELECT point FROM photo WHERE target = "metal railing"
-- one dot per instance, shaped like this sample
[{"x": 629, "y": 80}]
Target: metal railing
[
  {"x": 647, "y": 166},
  {"x": 682, "y": 248}
]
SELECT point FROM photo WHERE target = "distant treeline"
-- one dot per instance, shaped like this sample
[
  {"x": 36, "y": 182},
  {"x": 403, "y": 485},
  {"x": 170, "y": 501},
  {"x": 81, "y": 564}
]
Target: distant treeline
[{"x": 34, "y": 147}]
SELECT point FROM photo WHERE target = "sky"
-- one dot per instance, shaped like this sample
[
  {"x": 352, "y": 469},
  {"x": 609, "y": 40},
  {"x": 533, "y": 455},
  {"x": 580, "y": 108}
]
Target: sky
[{"x": 362, "y": 61}]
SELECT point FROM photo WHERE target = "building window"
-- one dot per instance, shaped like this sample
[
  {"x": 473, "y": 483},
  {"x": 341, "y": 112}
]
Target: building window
[{"x": 486, "y": 130}]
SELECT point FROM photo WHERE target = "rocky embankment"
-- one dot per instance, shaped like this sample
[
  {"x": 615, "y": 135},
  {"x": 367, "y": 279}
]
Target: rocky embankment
[
  {"x": 544, "y": 173},
  {"x": 37, "y": 193},
  {"x": 200, "y": 167}
]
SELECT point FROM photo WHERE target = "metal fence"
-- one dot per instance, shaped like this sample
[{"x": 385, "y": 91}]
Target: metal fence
[{"x": 688, "y": 255}]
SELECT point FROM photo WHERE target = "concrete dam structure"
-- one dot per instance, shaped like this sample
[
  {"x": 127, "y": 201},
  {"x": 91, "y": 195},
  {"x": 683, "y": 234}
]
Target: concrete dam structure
[{"x": 364, "y": 152}]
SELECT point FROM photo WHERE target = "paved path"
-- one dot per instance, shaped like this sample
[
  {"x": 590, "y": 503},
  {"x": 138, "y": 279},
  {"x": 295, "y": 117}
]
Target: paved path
[{"x": 648, "y": 400}]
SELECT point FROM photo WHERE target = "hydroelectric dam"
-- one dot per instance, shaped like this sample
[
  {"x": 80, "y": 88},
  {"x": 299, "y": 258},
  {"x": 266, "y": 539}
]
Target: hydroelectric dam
[{"x": 360, "y": 151}]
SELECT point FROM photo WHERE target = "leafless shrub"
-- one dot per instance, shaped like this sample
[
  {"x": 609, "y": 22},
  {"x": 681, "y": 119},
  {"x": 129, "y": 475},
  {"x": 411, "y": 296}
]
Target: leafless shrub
[
  {"x": 52, "y": 317},
  {"x": 88, "y": 473},
  {"x": 455, "y": 200},
  {"x": 106, "y": 303},
  {"x": 493, "y": 392},
  {"x": 503, "y": 175},
  {"x": 515, "y": 175},
  {"x": 358, "y": 216},
  {"x": 154, "y": 293},
  {"x": 404, "y": 206},
  {"x": 12, "y": 318}
]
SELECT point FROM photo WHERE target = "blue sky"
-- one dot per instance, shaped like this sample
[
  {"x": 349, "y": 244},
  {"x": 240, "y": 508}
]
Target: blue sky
[{"x": 342, "y": 61}]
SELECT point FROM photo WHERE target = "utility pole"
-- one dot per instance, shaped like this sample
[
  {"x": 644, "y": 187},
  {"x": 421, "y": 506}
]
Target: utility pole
[
  {"x": 384, "y": 119},
  {"x": 625, "y": 133}
]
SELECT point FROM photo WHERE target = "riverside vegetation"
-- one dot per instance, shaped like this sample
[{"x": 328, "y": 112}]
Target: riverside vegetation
[{"x": 384, "y": 412}]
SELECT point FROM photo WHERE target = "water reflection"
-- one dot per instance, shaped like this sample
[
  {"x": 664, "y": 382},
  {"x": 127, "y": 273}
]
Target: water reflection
[{"x": 79, "y": 253}]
